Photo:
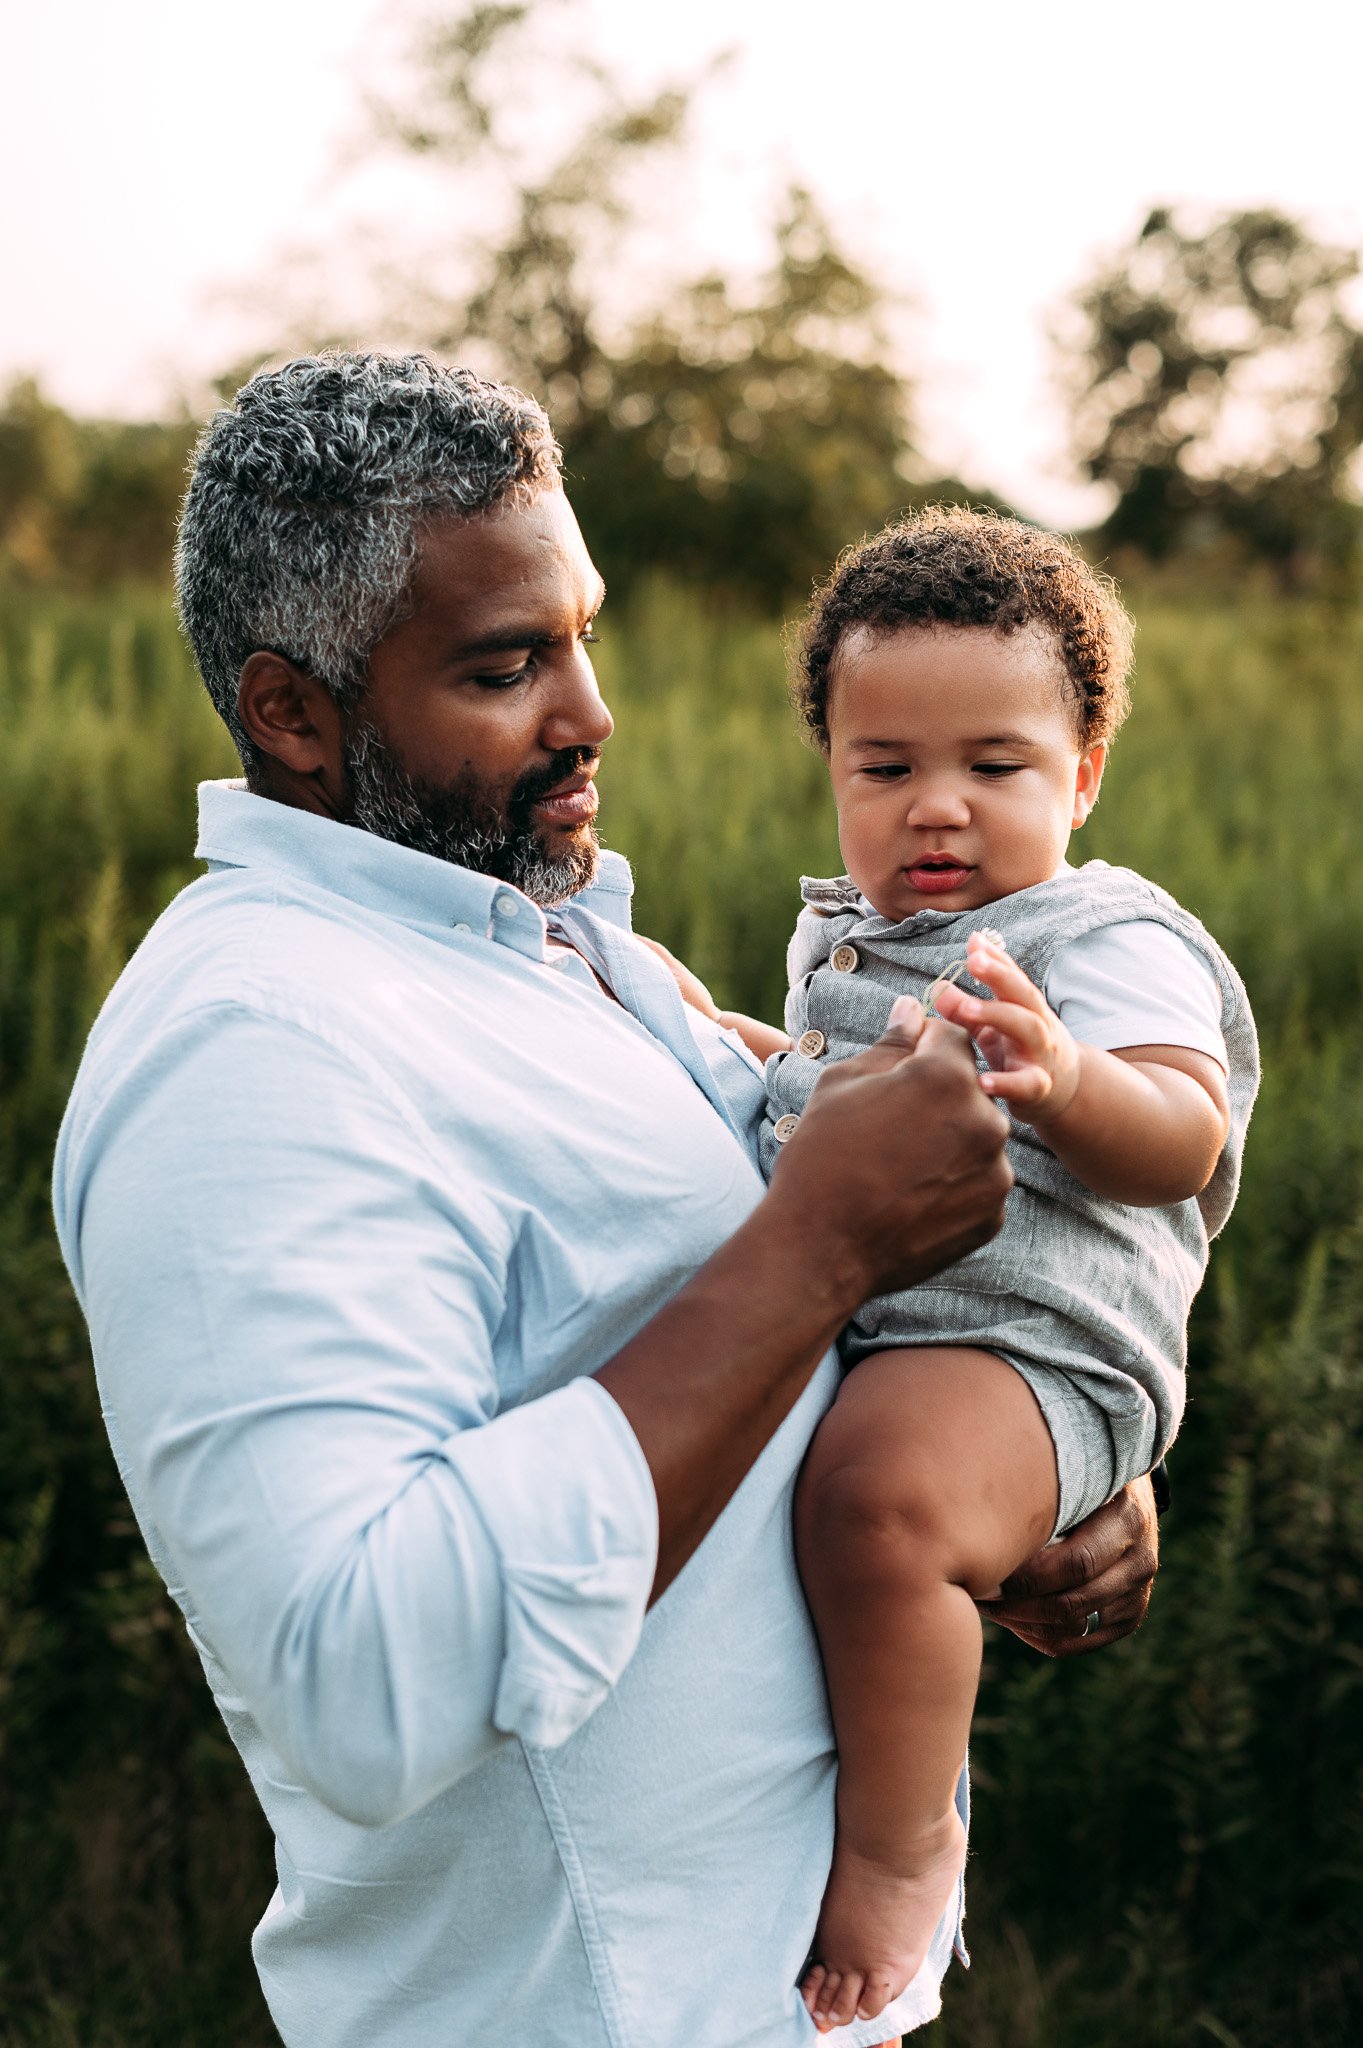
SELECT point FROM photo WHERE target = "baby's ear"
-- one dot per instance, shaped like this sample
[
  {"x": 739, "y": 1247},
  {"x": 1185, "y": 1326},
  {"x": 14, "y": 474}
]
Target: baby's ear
[{"x": 1087, "y": 782}]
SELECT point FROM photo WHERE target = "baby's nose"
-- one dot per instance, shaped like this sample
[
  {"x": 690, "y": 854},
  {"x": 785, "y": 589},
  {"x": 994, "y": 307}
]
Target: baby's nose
[{"x": 938, "y": 803}]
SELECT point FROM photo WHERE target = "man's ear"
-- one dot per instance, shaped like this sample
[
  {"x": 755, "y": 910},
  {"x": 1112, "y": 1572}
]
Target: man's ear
[
  {"x": 293, "y": 721},
  {"x": 1087, "y": 782}
]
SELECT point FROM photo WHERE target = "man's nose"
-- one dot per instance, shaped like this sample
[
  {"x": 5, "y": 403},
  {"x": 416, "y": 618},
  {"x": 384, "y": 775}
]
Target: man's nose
[
  {"x": 939, "y": 803},
  {"x": 578, "y": 717}
]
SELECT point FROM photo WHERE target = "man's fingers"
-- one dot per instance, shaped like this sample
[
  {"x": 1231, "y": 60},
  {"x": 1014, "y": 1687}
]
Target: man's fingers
[
  {"x": 940, "y": 1035},
  {"x": 1051, "y": 1643},
  {"x": 1122, "y": 1527},
  {"x": 909, "y": 1030},
  {"x": 906, "y": 1021},
  {"x": 1110, "y": 1593},
  {"x": 1106, "y": 1567},
  {"x": 1120, "y": 1618}
]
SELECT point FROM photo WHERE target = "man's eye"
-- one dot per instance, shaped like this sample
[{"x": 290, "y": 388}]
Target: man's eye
[{"x": 492, "y": 681}]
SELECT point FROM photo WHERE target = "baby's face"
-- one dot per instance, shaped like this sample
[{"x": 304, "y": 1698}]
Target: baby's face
[{"x": 956, "y": 768}]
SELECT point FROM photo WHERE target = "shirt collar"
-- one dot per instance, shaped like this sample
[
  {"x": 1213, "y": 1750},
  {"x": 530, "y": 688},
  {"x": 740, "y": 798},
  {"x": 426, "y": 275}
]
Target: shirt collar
[{"x": 241, "y": 830}]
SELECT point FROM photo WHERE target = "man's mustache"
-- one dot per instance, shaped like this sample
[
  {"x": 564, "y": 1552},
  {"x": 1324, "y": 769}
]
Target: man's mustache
[{"x": 539, "y": 781}]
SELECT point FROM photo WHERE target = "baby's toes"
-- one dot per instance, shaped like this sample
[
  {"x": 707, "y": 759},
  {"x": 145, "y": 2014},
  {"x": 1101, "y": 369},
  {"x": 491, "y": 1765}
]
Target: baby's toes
[
  {"x": 812, "y": 1986},
  {"x": 878, "y": 1990},
  {"x": 847, "y": 1997},
  {"x": 827, "y": 1999}
]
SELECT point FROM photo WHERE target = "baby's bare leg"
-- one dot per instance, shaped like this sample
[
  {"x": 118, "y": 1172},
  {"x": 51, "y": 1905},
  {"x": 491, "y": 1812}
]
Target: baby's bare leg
[{"x": 930, "y": 1480}]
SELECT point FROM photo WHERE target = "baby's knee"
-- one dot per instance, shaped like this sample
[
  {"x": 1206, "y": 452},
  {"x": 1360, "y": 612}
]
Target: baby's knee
[{"x": 870, "y": 1510}]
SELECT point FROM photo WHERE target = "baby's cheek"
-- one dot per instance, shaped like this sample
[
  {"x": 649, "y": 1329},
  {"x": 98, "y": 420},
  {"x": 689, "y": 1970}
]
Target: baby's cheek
[{"x": 868, "y": 845}]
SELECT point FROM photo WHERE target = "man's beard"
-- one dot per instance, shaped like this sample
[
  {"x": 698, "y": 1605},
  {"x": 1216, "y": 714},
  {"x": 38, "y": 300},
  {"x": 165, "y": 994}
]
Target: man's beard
[{"x": 461, "y": 822}]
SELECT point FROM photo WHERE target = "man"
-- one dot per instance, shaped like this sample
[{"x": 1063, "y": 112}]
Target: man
[{"x": 439, "y": 1311}]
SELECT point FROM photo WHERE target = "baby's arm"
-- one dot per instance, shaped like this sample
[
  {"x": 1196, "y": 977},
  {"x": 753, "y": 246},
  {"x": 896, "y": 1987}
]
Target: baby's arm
[
  {"x": 1144, "y": 1125},
  {"x": 762, "y": 1040}
]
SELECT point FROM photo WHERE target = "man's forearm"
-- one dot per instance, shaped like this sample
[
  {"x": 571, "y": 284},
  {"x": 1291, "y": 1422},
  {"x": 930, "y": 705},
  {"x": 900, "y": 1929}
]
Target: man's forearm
[{"x": 706, "y": 1384}]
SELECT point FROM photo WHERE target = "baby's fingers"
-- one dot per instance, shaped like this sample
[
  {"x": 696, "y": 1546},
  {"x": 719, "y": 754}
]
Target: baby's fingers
[
  {"x": 993, "y": 1045},
  {"x": 1004, "y": 976},
  {"x": 1023, "y": 1087},
  {"x": 1026, "y": 1030}
]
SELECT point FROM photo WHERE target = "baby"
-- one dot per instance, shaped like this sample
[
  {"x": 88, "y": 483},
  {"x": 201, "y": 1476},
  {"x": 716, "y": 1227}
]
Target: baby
[{"x": 964, "y": 675}]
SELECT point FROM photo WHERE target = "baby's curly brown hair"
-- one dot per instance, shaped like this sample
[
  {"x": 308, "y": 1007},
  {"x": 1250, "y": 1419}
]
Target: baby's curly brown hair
[{"x": 949, "y": 565}]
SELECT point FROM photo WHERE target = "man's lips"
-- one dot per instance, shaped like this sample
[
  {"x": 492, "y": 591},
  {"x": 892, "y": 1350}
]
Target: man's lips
[
  {"x": 934, "y": 874},
  {"x": 573, "y": 802}
]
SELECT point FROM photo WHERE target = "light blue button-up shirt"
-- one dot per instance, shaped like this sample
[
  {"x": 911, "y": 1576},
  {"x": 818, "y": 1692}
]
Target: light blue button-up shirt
[{"x": 358, "y": 1186}]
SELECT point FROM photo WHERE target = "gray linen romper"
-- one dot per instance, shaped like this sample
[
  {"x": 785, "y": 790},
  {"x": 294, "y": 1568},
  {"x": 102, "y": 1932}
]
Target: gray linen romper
[{"x": 1088, "y": 1299}]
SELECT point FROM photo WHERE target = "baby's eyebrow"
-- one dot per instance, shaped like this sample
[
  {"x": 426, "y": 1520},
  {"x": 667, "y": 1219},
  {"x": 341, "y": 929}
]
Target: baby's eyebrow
[{"x": 997, "y": 739}]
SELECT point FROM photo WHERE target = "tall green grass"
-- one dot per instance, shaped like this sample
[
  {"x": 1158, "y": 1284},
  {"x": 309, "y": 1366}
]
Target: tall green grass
[{"x": 1170, "y": 1835}]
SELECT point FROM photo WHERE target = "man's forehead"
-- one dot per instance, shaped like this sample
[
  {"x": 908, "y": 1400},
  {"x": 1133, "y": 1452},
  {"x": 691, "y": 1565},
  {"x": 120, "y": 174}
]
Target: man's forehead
[{"x": 518, "y": 550}]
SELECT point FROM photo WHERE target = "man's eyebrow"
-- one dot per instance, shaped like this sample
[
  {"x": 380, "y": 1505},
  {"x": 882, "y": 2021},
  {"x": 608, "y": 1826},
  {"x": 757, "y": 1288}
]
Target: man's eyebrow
[{"x": 507, "y": 639}]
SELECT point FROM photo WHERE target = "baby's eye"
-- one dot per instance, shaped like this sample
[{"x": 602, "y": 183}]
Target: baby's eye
[
  {"x": 886, "y": 771},
  {"x": 997, "y": 768}
]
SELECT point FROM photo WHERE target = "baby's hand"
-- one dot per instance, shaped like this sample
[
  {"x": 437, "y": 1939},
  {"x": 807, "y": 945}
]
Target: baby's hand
[
  {"x": 762, "y": 1040},
  {"x": 1033, "y": 1060},
  {"x": 692, "y": 988}
]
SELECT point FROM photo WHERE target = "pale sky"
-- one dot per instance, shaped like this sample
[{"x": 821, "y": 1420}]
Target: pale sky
[{"x": 156, "y": 156}]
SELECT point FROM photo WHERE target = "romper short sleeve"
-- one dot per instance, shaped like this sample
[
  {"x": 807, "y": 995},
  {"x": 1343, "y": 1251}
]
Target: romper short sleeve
[{"x": 1137, "y": 983}]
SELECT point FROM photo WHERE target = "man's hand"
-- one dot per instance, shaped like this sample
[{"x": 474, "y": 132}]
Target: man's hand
[
  {"x": 897, "y": 1166},
  {"x": 1106, "y": 1567}
]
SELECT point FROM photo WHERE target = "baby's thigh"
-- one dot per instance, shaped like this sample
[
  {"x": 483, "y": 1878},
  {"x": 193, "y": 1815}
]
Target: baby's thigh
[{"x": 946, "y": 1445}]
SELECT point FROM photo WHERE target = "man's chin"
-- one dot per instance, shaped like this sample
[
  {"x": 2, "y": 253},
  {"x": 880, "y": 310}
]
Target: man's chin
[{"x": 563, "y": 863}]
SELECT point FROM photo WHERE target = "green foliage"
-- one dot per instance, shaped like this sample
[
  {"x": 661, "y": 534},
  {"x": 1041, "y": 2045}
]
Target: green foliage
[
  {"x": 1170, "y": 1835},
  {"x": 86, "y": 502},
  {"x": 1217, "y": 379}
]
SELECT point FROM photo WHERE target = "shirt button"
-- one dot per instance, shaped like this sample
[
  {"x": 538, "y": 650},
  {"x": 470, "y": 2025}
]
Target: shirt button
[
  {"x": 466, "y": 929},
  {"x": 811, "y": 1044},
  {"x": 844, "y": 959},
  {"x": 784, "y": 1129},
  {"x": 507, "y": 906}
]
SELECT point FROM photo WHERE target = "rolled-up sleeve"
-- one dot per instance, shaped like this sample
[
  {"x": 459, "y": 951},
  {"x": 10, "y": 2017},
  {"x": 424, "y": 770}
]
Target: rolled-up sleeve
[{"x": 294, "y": 1311}]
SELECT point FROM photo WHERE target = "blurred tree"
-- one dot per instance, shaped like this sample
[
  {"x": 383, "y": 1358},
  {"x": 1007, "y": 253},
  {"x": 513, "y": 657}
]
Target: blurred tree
[
  {"x": 737, "y": 435},
  {"x": 1217, "y": 385},
  {"x": 39, "y": 476},
  {"x": 86, "y": 502}
]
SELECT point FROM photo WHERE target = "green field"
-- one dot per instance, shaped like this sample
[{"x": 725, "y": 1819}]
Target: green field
[{"x": 1170, "y": 1835}]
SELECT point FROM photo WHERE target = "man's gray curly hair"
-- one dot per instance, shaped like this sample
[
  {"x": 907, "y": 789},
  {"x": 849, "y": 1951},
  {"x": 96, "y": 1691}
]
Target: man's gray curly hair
[{"x": 307, "y": 500}]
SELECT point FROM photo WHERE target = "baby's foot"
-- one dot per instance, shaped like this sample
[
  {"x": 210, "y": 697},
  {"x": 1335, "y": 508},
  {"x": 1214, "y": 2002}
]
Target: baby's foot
[{"x": 876, "y": 1922}]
